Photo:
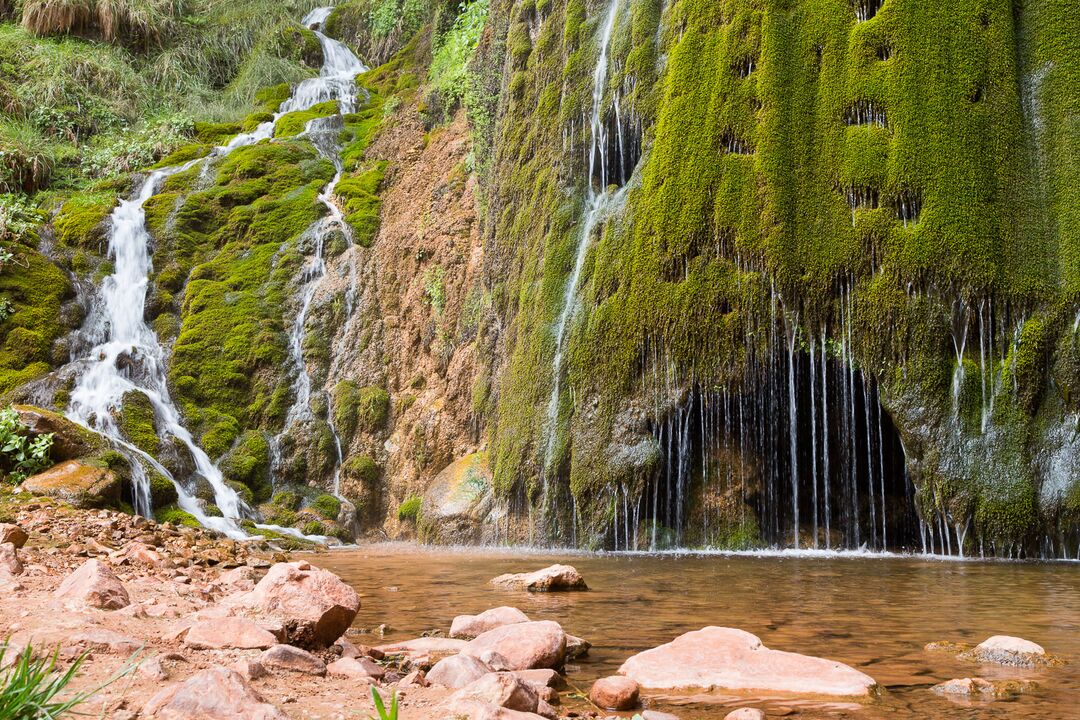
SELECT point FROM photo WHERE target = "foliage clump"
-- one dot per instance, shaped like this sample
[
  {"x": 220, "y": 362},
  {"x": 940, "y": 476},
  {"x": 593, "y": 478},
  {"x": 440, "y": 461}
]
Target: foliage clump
[{"x": 20, "y": 454}]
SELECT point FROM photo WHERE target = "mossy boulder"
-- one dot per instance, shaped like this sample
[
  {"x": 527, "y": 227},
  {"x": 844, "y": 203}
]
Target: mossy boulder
[
  {"x": 457, "y": 502},
  {"x": 83, "y": 486},
  {"x": 359, "y": 409},
  {"x": 248, "y": 464}
]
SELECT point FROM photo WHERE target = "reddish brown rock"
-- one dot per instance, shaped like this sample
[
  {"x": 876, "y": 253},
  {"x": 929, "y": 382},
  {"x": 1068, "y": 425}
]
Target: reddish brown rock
[
  {"x": 228, "y": 632},
  {"x": 523, "y": 646},
  {"x": 457, "y": 671},
  {"x": 214, "y": 694},
  {"x": 83, "y": 486},
  {"x": 727, "y": 658},
  {"x": 576, "y": 647},
  {"x": 13, "y": 534},
  {"x": 93, "y": 584},
  {"x": 137, "y": 552},
  {"x": 557, "y": 578},
  {"x": 9, "y": 560},
  {"x": 502, "y": 689},
  {"x": 293, "y": 659},
  {"x": 104, "y": 640},
  {"x": 250, "y": 669},
  {"x": 362, "y": 668},
  {"x": 241, "y": 579},
  {"x": 315, "y": 606},
  {"x": 745, "y": 714},
  {"x": 541, "y": 677},
  {"x": 468, "y": 709},
  {"x": 152, "y": 669},
  {"x": 615, "y": 693},
  {"x": 469, "y": 626}
]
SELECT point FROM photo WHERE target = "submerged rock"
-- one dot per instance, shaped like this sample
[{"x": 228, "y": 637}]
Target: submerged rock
[
  {"x": 83, "y": 486},
  {"x": 314, "y": 606},
  {"x": 555, "y": 578},
  {"x": 469, "y": 626},
  {"x": 983, "y": 689},
  {"x": 731, "y": 659},
  {"x": 423, "y": 651},
  {"x": 214, "y": 694},
  {"x": 94, "y": 585},
  {"x": 1008, "y": 650},
  {"x": 615, "y": 693},
  {"x": 522, "y": 646}
]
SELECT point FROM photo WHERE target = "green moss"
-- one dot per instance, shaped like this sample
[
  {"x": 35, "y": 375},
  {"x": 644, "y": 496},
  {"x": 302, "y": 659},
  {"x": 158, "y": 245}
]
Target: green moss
[
  {"x": 314, "y": 527},
  {"x": 296, "y": 122},
  {"x": 359, "y": 409},
  {"x": 162, "y": 491},
  {"x": 328, "y": 506},
  {"x": 136, "y": 422},
  {"x": 360, "y": 195},
  {"x": 176, "y": 516},
  {"x": 362, "y": 468},
  {"x": 36, "y": 290},
  {"x": 287, "y": 499},
  {"x": 81, "y": 219},
  {"x": 409, "y": 510},
  {"x": 248, "y": 464}
]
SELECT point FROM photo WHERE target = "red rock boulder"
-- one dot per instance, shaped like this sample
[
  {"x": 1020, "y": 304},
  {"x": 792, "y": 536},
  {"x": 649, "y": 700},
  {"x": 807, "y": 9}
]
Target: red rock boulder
[
  {"x": 469, "y": 626},
  {"x": 615, "y": 693},
  {"x": 556, "y": 578},
  {"x": 214, "y": 694},
  {"x": 457, "y": 671},
  {"x": 9, "y": 560},
  {"x": 93, "y": 584},
  {"x": 731, "y": 659},
  {"x": 314, "y": 606},
  {"x": 13, "y": 534},
  {"x": 522, "y": 646},
  {"x": 228, "y": 632}
]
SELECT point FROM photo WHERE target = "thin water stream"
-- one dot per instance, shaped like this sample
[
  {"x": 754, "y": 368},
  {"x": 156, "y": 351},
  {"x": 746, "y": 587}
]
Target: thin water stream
[
  {"x": 127, "y": 355},
  {"x": 872, "y": 612}
]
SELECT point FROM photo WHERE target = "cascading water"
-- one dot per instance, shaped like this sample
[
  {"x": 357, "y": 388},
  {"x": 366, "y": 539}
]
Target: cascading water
[
  {"x": 127, "y": 356},
  {"x": 598, "y": 203}
]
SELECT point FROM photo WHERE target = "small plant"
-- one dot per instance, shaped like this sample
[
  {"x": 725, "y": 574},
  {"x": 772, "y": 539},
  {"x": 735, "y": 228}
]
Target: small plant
[
  {"x": 435, "y": 289},
  {"x": 7, "y": 309},
  {"x": 28, "y": 688},
  {"x": 19, "y": 454},
  {"x": 380, "y": 707}
]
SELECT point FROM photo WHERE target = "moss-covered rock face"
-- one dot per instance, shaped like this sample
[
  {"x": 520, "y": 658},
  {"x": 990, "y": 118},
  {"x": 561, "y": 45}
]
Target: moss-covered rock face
[{"x": 879, "y": 174}]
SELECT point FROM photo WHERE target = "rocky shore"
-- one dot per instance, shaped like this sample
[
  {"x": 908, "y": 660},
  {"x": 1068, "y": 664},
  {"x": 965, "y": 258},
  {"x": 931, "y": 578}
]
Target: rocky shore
[{"x": 197, "y": 626}]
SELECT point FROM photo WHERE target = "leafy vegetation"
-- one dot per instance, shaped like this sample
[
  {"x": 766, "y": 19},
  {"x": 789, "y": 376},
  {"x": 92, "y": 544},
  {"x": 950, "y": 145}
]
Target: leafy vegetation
[
  {"x": 454, "y": 49},
  {"x": 31, "y": 687},
  {"x": 380, "y": 706},
  {"x": 20, "y": 454}
]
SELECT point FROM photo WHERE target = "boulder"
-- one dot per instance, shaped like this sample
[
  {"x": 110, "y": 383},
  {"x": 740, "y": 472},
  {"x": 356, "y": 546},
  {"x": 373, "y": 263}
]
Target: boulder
[
  {"x": 138, "y": 553},
  {"x": 70, "y": 441},
  {"x": 980, "y": 688},
  {"x": 293, "y": 659},
  {"x": 104, "y": 640},
  {"x": 524, "y": 646},
  {"x": 1007, "y": 650},
  {"x": 745, "y": 714},
  {"x": 9, "y": 560},
  {"x": 93, "y": 584},
  {"x": 576, "y": 647},
  {"x": 215, "y": 694},
  {"x": 615, "y": 693},
  {"x": 423, "y": 651},
  {"x": 83, "y": 486},
  {"x": 13, "y": 534},
  {"x": 731, "y": 659},
  {"x": 502, "y": 689},
  {"x": 240, "y": 579},
  {"x": 556, "y": 578},
  {"x": 314, "y": 606},
  {"x": 468, "y": 709},
  {"x": 457, "y": 671},
  {"x": 356, "y": 669},
  {"x": 469, "y": 626},
  {"x": 545, "y": 677},
  {"x": 228, "y": 632},
  {"x": 457, "y": 502},
  {"x": 250, "y": 669},
  {"x": 657, "y": 715}
]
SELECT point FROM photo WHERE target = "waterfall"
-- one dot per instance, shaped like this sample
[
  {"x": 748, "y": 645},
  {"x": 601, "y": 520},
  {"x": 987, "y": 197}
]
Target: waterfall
[
  {"x": 127, "y": 355},
  {"x": 597, "y": 204}
]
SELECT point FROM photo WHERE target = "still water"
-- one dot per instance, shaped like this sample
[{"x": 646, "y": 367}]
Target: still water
[{"x": 872, "y": 612}]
